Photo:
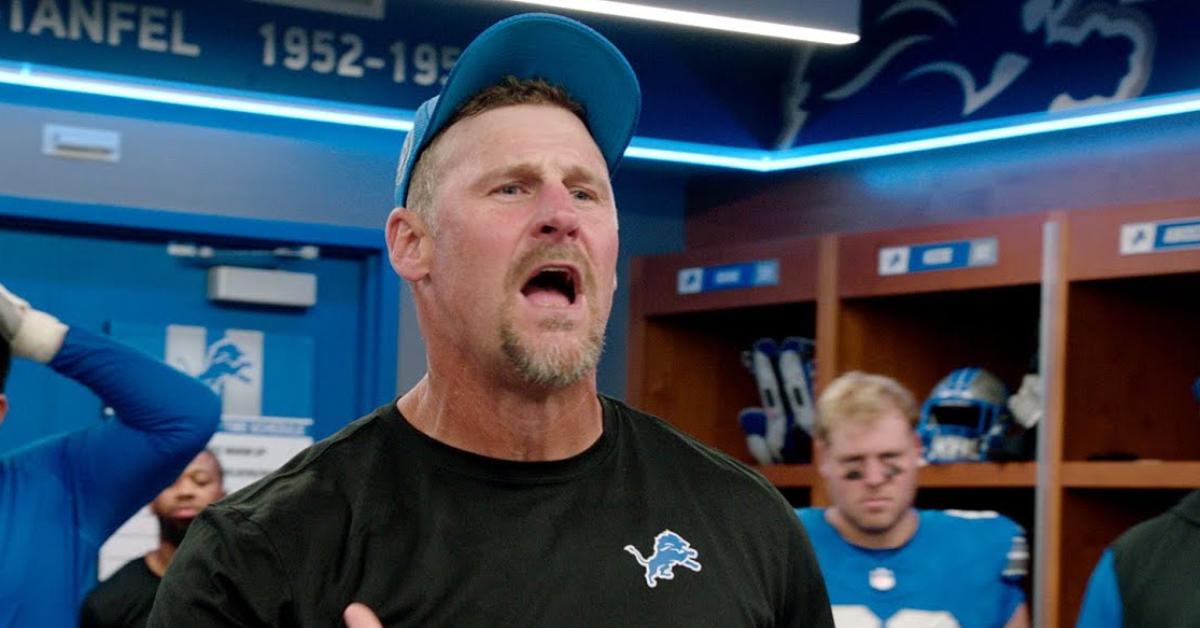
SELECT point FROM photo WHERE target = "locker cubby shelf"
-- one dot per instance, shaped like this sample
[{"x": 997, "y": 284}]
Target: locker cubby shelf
[
  {"x": 966, "y": 475},
  {"x": 980, "y": 475},
  {"x": 1138, "y": 474}
]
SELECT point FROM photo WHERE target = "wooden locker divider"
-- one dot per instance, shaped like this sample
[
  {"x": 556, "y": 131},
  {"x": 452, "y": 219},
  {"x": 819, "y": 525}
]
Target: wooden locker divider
[{"x": 1048, "y": 499}]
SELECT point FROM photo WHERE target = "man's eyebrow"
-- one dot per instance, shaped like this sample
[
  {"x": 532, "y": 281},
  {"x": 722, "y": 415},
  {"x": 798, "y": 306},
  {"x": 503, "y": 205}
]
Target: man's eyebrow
[
  {"x": 522, "y": 172},
  {"x": 587, "y": 175},
  {"x": 856, "y": 458},
  {"x": 530, "y": 172}
]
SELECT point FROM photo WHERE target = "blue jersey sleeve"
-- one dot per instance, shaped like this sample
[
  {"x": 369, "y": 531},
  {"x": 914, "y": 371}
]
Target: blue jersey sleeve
[
  {"x": 1016, "y": 568},
  {"x": 1102, "y": 606},
  {"x": 164, "y": 418},
  {"x": 1002, "y": 545}
]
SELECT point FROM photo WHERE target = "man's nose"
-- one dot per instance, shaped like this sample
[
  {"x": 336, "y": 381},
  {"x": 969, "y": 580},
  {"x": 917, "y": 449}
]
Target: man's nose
[
  {"x": 876, "y": 473},
  {"x": 558, "y": 218}
]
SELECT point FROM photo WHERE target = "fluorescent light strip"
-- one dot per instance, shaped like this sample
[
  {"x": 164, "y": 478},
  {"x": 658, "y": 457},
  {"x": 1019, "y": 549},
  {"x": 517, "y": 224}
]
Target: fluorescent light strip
[
  {"x": 702, "y": 20},
  {"x": 28, "y": 77},
  {"x": 698, "y": 155},
  {"x": 641, "y": 148},
  {"x": 946, "y": 137}
]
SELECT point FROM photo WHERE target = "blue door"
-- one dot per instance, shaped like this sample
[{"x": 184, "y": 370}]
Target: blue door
[{"x": 107, "y": 269}]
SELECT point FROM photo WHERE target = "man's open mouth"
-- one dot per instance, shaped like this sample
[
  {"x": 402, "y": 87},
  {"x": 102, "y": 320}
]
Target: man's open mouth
[{"x": 552, "y": 285}]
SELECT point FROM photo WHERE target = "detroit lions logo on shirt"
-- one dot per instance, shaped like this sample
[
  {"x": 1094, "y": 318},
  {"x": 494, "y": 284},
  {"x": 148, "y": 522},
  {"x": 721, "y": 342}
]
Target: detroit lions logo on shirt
[{"x": 670, "y": 550}]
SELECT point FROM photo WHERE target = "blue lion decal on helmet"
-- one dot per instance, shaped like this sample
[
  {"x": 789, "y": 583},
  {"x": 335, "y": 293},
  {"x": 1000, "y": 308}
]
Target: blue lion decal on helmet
[{"x": 964, "y": 416}]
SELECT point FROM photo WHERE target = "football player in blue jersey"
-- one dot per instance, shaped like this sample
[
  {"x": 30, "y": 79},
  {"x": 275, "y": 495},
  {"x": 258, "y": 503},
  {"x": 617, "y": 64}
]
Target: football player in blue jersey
[{"x": 887, "y": 564}]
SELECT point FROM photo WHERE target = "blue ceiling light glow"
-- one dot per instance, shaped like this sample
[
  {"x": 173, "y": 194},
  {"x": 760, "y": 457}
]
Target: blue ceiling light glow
[
  {"x": 688, "y": 153},
  {"x": 27, "y": 75},
  {"x": 699, "y": 154},
  {"x": 984, "y": 131}
]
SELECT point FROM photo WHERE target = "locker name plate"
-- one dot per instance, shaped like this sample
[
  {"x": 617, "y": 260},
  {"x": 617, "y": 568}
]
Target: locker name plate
[
  {"x": 917, "y": 258},
  {"x": 1156, "y": 237},
  {"x": 755, "y": 274}
]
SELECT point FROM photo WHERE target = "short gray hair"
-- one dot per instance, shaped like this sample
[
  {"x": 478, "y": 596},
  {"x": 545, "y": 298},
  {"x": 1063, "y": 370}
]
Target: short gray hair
[{"x": 509, "y": 91}]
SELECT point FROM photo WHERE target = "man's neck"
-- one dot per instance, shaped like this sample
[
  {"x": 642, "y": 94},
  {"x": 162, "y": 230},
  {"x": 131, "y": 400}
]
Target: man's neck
[
  {"x": 159, "y": 558},
  {"x": 893, "y": 537},
  {"x": 500, "y": 422}
]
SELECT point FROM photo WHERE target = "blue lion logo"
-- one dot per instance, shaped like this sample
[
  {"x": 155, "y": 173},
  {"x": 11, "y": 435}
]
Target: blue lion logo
[
  {"x": 224, "y": 360},
  {"x": 670, "y": 549}
]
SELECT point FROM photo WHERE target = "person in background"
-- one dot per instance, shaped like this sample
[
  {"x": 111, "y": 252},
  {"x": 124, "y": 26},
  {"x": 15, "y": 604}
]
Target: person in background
[
  {"x": 885, "y": 562},
  {"x": 125, "y": 598},
  {"x": 502, "y": 489},
  {"x": 61, "y": 497},
  {"x": 1150, "y": 576}
]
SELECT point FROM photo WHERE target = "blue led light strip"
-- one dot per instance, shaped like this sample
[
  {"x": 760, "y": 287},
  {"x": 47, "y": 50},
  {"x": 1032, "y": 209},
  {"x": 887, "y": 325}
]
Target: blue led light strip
[
  {"x": 27, "y": 75},
  {"x": 650, "y": 149}
]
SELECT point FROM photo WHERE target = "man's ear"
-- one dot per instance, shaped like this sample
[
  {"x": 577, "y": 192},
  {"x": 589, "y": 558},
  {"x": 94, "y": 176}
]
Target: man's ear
[
  {"x": 820, "y": 451},
  {"x": 409, "y": 244}
]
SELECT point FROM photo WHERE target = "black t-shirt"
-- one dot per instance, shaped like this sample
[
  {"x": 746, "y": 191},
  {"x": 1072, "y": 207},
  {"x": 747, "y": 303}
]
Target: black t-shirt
[
  {"x": 646, "y": 527},
  {"x": 123, "y": 600}
]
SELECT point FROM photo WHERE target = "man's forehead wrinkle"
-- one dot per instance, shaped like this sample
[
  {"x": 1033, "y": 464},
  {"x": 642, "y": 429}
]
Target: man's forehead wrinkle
[
  {"x": 530, "y": 170},
  {"x": 520, "y": 170}
]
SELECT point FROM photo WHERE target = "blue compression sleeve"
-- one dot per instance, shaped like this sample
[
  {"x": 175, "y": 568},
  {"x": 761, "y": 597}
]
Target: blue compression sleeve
[{"x": 164, "y": 418}]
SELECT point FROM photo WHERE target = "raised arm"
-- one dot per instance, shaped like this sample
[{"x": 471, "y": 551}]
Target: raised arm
[{"x": 164, "y": 417}]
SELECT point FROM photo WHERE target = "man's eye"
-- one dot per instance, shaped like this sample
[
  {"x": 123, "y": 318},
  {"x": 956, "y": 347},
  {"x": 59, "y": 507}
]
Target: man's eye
[
  {"x": 853, "y": 474},
  {"x": 584, "y": 195},
  {"x": 509, "y": 189}
]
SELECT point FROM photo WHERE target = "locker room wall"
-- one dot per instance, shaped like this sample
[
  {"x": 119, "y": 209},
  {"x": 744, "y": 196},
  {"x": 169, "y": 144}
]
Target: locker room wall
[{"x": 201, "y": 162}]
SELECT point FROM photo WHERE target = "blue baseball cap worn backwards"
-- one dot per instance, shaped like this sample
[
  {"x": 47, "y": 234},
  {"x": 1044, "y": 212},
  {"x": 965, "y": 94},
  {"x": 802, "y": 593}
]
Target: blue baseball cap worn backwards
[{"x": 556, "y": 49}]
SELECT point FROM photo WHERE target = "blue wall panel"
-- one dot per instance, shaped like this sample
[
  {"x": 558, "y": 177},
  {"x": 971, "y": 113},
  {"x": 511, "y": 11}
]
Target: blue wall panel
[{"x": 91, "y": 280}]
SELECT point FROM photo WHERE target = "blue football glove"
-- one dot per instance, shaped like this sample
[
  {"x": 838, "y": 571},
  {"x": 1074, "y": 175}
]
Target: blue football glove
[
  {"x": 754, "y": 425},
  {"x": 763, "y": 355},
  {"x": 795, "y": 359}
]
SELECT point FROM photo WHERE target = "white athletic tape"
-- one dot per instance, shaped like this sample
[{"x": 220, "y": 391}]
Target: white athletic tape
[{"x": 39, "y": 338}]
